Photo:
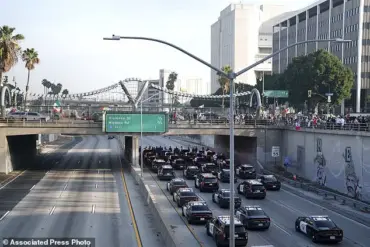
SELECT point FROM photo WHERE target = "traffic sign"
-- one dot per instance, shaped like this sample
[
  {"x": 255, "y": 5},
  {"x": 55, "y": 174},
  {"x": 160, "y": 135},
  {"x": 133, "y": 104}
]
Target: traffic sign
[
  {"x": 116, "y": 122},
  {"x": 275, "y": 151}
]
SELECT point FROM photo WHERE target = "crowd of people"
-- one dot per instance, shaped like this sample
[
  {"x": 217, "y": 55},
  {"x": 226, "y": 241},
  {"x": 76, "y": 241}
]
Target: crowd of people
[{"x": 340, "y": 122}]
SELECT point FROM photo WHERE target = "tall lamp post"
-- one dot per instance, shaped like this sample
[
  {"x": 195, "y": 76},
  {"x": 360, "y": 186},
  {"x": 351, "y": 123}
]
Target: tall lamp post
[
  {"x": 231, "y": 76},
  {"x": 141, "y": 132}
]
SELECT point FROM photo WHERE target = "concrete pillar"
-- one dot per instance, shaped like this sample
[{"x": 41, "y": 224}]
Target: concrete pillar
[
  {"x": 5, "y": 158},
  {"x": 135, "y": 151},
  {"x": 128, "y": 149}
]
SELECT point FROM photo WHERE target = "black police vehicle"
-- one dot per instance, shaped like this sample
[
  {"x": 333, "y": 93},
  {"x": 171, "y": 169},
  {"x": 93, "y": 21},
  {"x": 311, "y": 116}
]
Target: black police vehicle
[
  {"x": 196, "y": 212},
  {"x": 270, "y": 182},
  {"x": 184, "y": 195},
  {"x": 206, "y": 182},
  {"x": 191, "y": 172},
  {"x": 224, "y": 176},
  {"x": 166, "y": 172},
  {"x": 252, "y": 189},
  {"x": 178, "y": 164},
  {"x": 167, "y": 155},
  {"x": 246, "y": 171},
  {"x": 319, "y": 228},
  {"x": 157, "y": 163},
  {"x": 253, "y": 217},
  {"x": 218, "y": 229},
  {"x": 176, "y": 184},
  {"x": 222, "y": 198},
  {"x": 199, "y": 161},
  {"x": 209, "y": 168}
]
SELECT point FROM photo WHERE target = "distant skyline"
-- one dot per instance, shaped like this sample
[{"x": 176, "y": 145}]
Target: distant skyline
[{"x": 68, "y": 37}]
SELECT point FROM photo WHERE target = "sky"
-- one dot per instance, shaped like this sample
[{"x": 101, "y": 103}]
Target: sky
[{"x": 68, "y": 36}]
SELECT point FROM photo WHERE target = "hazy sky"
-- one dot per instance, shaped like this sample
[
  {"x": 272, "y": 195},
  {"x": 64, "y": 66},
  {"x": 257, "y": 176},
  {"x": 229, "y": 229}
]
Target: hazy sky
[{"x": 68, "y": 37}]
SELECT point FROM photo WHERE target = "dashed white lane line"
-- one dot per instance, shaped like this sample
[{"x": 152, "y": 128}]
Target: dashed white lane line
[
  {"x": 32, "y": 187},
  {"x": 52, "y": 210},
  {"x": 93, "y": 209}
]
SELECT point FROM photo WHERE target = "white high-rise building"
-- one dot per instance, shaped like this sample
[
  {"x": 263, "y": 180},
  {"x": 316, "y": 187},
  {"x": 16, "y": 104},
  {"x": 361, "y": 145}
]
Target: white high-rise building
[{"x": 239, "y": 38}]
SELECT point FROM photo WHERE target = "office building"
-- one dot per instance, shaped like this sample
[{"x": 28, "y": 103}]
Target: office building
[
  {"x": 239, "y": 38},
  {"x": 330, "y": 19}
]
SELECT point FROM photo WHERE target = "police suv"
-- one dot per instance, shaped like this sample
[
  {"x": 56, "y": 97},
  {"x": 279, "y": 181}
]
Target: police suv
[
  {"x": 253, "y": 217},
  {"x": 184, "y": 195},
  {"x": 222, "y": 198},
  {"x": 252, "y": 189},
  {"x": 218, "y": 229}
]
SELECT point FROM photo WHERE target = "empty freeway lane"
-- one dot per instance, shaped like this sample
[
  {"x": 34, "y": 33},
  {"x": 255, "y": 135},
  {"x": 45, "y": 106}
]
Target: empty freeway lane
[{"x": 82, "y": 193}]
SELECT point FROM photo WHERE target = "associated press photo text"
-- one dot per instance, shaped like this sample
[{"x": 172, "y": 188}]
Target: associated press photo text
[{"x": 49, "y": 242}]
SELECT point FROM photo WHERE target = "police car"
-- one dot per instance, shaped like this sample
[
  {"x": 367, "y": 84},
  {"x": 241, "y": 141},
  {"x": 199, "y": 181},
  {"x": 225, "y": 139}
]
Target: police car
[
  {"x": 196, "y": 211},
  {"x": 246, "y": 171},
  {"x": 253, "y": 217},
  {"x": 252, "y": 189},
  {"x": 176, "y": 184},
  {"x": 191, "y": 172},
  {"x": 319, "y": 228},
  {"x": 218, "y": 229},
  {"x": 184, "y": 195},
  {"x": 165, "y": 172},
  {"x": 222, "y": 198}
]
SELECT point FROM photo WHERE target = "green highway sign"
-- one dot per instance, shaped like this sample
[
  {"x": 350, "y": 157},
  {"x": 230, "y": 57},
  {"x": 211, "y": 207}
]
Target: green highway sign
[
  {"x": 276, "y": 93},
  {"x": 130, "y": 122}
]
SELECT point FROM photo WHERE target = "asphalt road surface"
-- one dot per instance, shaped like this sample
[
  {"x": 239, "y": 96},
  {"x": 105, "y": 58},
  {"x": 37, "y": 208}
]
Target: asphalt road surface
[
  {"x": 81, "y": 193},
  {"x": 283, "y": 208}
]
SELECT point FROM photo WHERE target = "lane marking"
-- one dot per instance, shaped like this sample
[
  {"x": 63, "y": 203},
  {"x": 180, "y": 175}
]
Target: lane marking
[
  {"x": 32, "y": 186},
  {"x": 3, "y": 217},
  {"x": 281, "y": 228},
  {"x": 14, "y": 178},
  {"x": 93, "y": 209},
  {"x": 136, "y": 230},
  {"x": 96, "y": 186},
  {"x": 52, "y": 210},
  {"x": 326, "y": 209},
  {"x": 98, "y": 171},
  {"x": 65, "y": 187}
]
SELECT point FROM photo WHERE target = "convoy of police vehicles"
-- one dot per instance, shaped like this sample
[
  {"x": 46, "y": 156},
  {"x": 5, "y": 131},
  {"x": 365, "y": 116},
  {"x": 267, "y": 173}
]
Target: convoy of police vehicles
[{"x": 206, "y": 169}]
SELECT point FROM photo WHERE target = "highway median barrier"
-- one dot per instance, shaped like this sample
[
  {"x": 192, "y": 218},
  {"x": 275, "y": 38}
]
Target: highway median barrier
[{"x": 173, "y": 230}]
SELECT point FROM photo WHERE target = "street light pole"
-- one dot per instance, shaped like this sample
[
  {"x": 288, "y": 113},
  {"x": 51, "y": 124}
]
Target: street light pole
[
  {"x": 231, "y": 76},
  {"x": 141, "y": 133}
]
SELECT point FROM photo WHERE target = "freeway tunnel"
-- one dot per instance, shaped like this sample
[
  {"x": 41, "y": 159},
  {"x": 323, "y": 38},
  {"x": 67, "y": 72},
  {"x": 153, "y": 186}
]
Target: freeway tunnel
[{"x": 17, "y": 152}]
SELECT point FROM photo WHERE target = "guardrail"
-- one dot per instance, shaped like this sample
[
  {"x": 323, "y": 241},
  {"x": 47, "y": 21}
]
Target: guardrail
[{"x": 345, "y": 200}]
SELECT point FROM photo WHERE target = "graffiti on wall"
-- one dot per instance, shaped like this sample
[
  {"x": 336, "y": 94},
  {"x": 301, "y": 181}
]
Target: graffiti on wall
[
  {"x": 320, "y": 163},
  {"x": 352, "y": 181}
]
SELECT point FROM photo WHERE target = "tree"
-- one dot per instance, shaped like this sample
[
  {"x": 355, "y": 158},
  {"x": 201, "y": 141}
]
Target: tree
[
  {"x": 65, "y": 93},
  {"x": 271, "y": 82},
  {"x": 31, "y": 58},
  {"x": 224, "y": 82},
  {"x": 170, "y": 84},
  {"x": 321, "y": 72},
  {"x": 9, "y": 48}
]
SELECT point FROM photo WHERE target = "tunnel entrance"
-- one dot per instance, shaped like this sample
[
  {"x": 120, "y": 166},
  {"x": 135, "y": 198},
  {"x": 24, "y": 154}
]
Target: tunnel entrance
[
  {"x": 22, "y": 151},
  {"x": 245, "y": 148}
]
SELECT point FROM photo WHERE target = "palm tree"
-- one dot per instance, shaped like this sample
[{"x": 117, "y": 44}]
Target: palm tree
[
  {"x": 9, "y": 49},
  {"x": 224, "y": 82},
  {"x": 170, "y": 84},
  {"x": 31, "y": 58},
  {"x": 65, "y": 93}
]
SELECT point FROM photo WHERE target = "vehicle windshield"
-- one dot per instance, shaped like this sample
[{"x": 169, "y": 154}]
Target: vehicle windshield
[
  {"x": 193, "y": 168},
  {"x": 258, "y": 187},
  {"x": 187, "y": 193},
  {"x": 226, "y": 194},
  {"x": 179, "y": 183},
  {"x": 226, "y": 172},
  {"x": 167, "y": 170},
  {"x": 210, "y": 180},
  {"x": 270, "y": 179},
  {"x": 201, "y": 160},
  {"x": 256, "y": 213},
  {"x": 247, "y": 168},
  {"x": 325, "y": 223},
  {"x": 211, "y": 166},
  {"x": 180, "y": 162},
  {"x": 200, "y": 208},
  {"x": 238, "y": 229}
]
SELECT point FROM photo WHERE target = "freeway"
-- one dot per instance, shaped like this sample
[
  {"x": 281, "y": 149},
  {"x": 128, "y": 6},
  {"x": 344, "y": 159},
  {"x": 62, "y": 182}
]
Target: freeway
[
  {"x": 82, "y": 193},
  {"x": 283, "y": 207}
]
